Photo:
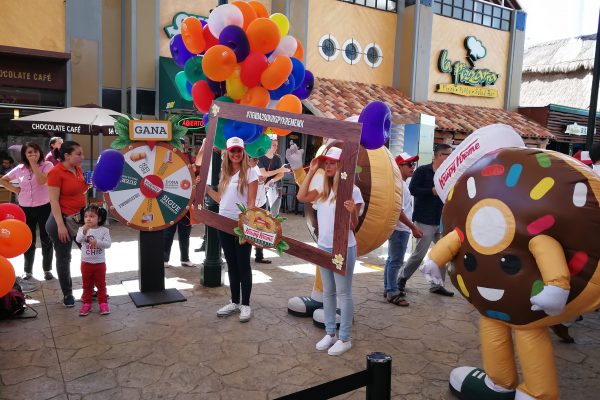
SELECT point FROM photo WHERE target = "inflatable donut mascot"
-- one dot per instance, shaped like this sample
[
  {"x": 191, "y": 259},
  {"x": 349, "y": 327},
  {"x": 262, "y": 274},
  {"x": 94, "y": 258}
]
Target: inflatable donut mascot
[
  {"x": 379, "y": 180},
  {"x": 515, "y": 257}
]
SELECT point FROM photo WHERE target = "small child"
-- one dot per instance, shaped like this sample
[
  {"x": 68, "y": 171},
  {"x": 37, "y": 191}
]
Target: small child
[{"x": 94, "y": 238}]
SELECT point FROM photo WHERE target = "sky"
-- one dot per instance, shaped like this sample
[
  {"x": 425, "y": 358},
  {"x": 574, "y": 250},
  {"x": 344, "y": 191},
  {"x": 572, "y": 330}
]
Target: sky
[{"x": 557, "y": 19}]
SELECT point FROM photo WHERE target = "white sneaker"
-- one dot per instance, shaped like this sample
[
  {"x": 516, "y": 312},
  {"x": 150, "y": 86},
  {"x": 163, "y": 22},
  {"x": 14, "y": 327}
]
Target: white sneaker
[
  {"x": 228, "y": 310},
  {"x": 245, "y": 313},
  {"x": 340, "y": 347},
  {"x": 325, "y": 343},
  {"x": 187, "y": 264}
]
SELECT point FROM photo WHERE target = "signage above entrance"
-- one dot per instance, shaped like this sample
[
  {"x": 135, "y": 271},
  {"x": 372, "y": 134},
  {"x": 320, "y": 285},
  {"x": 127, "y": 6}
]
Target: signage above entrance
[
  {"x": 175, "y": 27},
  {"x": 466, "y": 79}
]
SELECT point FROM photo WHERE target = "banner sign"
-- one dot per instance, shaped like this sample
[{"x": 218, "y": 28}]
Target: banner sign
[{"x": 150, "y": 130}]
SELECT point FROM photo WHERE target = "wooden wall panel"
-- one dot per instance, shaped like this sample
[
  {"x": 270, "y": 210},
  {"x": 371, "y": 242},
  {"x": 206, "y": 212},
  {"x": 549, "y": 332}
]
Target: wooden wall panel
[{"x": 111, "y": 43}]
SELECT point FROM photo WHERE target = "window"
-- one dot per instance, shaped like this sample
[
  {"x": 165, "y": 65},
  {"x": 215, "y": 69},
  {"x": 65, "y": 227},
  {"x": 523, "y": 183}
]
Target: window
[
  {"x": 351, "y": 51},
  {"x": 373, "y": 56},
  {"x": 329, "y": 48},
  {"x": 385, "y": 5},
  {"x": 476, "y": 11},
  {"x": 111, "y": 99}
]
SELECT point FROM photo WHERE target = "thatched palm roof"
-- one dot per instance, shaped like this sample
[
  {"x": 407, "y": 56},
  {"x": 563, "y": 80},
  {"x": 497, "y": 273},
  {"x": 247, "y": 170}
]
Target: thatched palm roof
[
  {"x": 558, "y": 72},
  {"x": 564, "y": 55}
]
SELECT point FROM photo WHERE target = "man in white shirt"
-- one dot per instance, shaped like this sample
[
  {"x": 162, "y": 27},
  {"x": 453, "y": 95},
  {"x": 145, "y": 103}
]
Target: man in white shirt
[{"x": 398, "y": 241}]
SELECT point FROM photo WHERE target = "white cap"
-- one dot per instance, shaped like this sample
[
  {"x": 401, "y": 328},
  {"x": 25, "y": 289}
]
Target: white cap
[
  {"x": 273, "y": 136},
  {"x": 332, "y": 153},
  {"x": 234, "y": 142}
]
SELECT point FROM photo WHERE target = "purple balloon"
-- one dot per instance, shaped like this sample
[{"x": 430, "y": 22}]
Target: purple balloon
[
  {"x": 298, "y": 71},
  {"x": 218, "y": 88},
  {"x": 303, "y": 91},
  {"x": 376, "y": 118},
  {"x": 203, "y": 22},
  {"x": 205, "y": 118},
  {"x": 235, "y": 38},
  {"x": 179, "y": 52},
  {"x": 107, "y": 175}
]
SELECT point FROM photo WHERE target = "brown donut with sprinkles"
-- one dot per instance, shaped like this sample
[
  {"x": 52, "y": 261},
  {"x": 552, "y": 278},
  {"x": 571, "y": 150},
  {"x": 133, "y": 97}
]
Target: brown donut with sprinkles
[{"x": 503, "y": 201}]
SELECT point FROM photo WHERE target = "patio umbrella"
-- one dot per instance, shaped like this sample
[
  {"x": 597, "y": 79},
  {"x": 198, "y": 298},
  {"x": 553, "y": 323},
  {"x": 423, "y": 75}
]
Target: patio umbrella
[
  {"x": 82, "y": 120},
  {"x": 88, "y": 119}
]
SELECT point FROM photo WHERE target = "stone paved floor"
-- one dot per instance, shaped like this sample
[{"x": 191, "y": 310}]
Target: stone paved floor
[{"x": 183, "y": 351}]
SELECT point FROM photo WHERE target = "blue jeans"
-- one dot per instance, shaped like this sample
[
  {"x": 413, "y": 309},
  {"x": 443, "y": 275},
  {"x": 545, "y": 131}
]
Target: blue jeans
[
  {"x": 336, "y": 285},
  {"x": 396, "y": 249}
]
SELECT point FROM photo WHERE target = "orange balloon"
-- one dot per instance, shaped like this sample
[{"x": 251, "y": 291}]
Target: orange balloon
[
  {"x": 256, "y": 97},
  {"x": 299, "y": 54},
  {"x": 259, "y": 8},
  {"x": 191, "y": 33},
  {"x": 7, "y": 276},
  {"x": 276, "y": 73},
  {"x": 263, "y": 35},
  {"x": 15, "y": 238},
  {"x": 247, "y": 11},
  {"x": 289, "y": 103},
  {"x": 218, "y": 63}
]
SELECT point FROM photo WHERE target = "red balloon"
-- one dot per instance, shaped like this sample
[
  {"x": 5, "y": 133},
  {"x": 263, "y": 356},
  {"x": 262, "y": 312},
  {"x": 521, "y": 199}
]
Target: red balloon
[
  {"x": 15, "y": 238},
  {"x": 202, "y": 96},
  {"x": 209, "y": 39},
  {"x": 11, "y": 211},
  {"x": 7, "y": 276},
  {"x": 252, "y": 68}
]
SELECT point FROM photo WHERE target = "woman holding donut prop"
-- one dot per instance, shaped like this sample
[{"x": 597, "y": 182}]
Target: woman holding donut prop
[{"x": 518, "y": 226}]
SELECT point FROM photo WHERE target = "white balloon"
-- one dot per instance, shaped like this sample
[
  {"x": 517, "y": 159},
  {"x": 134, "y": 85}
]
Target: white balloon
[
  {"x": 287, "y": 47},
  {"x": 222, "y": 16}
]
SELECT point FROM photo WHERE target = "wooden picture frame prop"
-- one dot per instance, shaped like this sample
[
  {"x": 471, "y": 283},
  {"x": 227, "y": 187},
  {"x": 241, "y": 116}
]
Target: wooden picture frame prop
[{"x": 346, "y": 132}]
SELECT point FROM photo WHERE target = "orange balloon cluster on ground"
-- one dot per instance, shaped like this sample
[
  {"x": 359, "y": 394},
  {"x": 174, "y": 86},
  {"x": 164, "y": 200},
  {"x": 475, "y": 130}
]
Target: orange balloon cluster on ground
[
  {"x": 246, "y": 56},
  {"x": 15, "y": 239}
]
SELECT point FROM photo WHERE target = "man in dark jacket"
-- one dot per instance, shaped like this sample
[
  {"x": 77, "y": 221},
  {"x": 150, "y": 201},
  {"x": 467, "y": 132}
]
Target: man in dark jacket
[{"x": 427, "y": 214}]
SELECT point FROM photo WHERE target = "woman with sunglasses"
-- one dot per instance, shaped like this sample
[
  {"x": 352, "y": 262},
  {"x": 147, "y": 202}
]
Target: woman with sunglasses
[
  {"x": 32, "y": 192},
  {"x": 238, "y": 185}
]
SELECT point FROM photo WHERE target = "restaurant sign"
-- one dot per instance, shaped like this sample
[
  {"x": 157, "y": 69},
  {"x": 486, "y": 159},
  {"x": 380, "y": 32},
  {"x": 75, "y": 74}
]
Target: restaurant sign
[
  {"x": 31, "y": 73},
  {"x": 466, "y": 79},
  {"x": 175, "y": 27},
  {"x": 575, "y": 129}
]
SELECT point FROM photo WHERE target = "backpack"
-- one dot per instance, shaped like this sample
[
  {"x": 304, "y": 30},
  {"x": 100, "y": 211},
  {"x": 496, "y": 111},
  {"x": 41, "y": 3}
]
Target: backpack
[{"x": 12, "y": 304}]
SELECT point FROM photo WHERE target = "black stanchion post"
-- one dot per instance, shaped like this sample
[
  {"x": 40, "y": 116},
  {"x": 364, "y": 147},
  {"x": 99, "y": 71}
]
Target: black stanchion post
[
  {"x": 212, "y": 269},
  {"x": 380, "y": 367},
  {"x": 591, "y": 125}
]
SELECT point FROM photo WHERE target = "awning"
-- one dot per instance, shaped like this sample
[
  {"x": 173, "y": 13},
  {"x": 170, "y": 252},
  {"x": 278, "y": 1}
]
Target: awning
[{"x": 166, "y": 85}]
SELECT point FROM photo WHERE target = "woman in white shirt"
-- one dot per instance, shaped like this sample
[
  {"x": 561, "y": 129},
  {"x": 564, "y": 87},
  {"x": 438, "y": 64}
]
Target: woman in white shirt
[
  {"x": 333, "y": 284},
  {"x": 238, "y": 185}
]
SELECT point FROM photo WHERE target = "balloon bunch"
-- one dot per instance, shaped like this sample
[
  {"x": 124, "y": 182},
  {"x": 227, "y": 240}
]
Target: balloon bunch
[
  {"x": 15, "y": 239},
  {"x": 243, "y": 55}
]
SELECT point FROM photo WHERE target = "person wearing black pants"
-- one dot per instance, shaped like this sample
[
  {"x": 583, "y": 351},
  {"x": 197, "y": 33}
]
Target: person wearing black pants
[
  {"x": 184, "y": 230},
  {"x": 37, "y": 217},
  {"x": 239, "y": 271},
  {"x": 237, "y": 186}
]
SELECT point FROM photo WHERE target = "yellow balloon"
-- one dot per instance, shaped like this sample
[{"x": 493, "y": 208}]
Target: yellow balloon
[
  {"x": 282, "y": 23},
  {"x": 235, "y": 88}
]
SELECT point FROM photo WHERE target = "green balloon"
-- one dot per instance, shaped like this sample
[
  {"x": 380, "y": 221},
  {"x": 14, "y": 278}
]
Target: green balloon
[
  {"x": 181, "y": 85},
  {"x": 220, "y": 141},
  {"x": 259, "y": 147},
  {"x": 193, "y": 69}
]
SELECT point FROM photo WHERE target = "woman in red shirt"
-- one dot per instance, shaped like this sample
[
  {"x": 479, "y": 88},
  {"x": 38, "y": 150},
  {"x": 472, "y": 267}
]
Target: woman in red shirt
[{"x": 67, "y": 188}]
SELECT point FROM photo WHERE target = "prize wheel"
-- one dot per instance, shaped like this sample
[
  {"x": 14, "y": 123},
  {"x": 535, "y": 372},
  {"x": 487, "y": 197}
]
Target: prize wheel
[{"x": 156, "y": 187}]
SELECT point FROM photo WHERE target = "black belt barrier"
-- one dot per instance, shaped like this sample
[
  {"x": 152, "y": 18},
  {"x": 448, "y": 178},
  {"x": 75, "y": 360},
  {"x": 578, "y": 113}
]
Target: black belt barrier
[{"x": 377, "y": 378}]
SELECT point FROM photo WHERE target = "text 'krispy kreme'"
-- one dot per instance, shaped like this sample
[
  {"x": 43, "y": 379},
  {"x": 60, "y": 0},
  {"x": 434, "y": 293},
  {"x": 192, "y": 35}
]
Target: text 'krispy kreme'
[
  {"x": 447, "y": 174},
  {"x": 256, "y": 235}
]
